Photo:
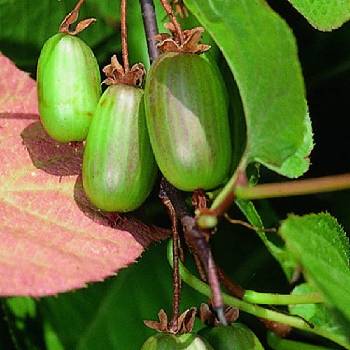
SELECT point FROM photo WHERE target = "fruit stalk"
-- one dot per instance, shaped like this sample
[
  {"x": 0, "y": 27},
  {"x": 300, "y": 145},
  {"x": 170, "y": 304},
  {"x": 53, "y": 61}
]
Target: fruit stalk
[
  {"x": 124, "y": 34},
  {"x": 169, "y": 11},
  {"x": 176, "y": 248}
]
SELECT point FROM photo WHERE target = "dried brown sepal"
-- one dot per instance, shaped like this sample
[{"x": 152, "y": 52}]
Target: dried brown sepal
[
  {"x": 116, "y": 74},
  {"x": 199, "y": 200},
  {"x": 200, "y": 204},
  {"x": 208, "y": 317},
  {"x": 72, "y": 18},
  {"x": 161, "y": 325},
  {"x": 191, "y": 44},
  {"x": 185, "y": 322}
]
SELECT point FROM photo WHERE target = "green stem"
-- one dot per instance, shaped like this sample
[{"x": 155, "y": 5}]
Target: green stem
[
  {"x": 277, "y": 343},
  {"x": 253, "y": 297},
  {"x": 226, "y": 197},
  {"x": 295, "y": 188},
  {"x": 255, "y": 310}
]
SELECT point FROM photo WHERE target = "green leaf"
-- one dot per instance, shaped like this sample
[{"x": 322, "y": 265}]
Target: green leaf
[
  {"x": 319, "y": 315},
  {"x": 298, "y": 163},
  {"x": 262, "y": 54},
  {"x": 320, "y": 245},
  {"x": 324, "y": 14},
  {"x": 24, "y": 28},
  {"x": 110, "y": 315},
  {"x": 51, "y": 339},
  {"x": 278, "y": 252},
  {"x": 21, "y": 307},
  {"x": 277, "y": 343}
]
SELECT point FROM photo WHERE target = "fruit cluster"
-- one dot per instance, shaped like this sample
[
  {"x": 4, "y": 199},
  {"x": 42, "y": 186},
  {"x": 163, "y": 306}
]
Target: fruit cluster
[
  {"x": 233, "y": 337},
  {"x": 178, "y": 122}
]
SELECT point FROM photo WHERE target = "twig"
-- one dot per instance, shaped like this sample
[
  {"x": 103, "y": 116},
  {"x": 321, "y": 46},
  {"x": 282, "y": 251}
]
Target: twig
[
  {"x": 247, "y": 225},
  {"x": 151, "y": 29},
  {"x": 174, "y": 324},
  {"x": 197, "y": 240}
]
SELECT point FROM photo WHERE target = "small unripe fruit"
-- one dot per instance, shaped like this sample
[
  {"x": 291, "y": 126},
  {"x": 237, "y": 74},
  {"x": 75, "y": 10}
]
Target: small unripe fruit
[
  {"x": 186, "y": 341},
  {"x": 69, "y": 87},
  {"x": 187, "y": 119},
  {"x": 118, "y": 166},
  {"x": 234, "y": 337}
]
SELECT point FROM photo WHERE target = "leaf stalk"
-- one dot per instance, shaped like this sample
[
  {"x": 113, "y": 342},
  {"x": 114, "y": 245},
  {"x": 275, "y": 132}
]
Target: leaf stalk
[{"x": 295, "y": 188}]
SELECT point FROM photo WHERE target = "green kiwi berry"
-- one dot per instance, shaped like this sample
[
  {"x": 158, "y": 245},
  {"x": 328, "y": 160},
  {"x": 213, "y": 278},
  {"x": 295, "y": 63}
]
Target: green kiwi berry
[
  {"x": 118, "y": 166},
  {"x": 187, "y": 119},
  {"x": 69, "y": 87}
]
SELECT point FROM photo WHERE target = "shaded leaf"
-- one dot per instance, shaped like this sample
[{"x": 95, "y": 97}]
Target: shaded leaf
[
  {"x": 318, "y": 315},
  {"x": 279, "y": 252},
  {"x": 324, "y": 14},
  {"x": 277, "y": 343},
  {"x": 21, "y": 307},
  {"x": 52, "y": 341},
  {"x": 260, "y": 46},
  {"x": 320, "y": 245},
  {"x": 111, "y": 314},
  {"x": 298, "y": 163},
  {"x": 24, "y": 27},
  {"x": 51, "y": 239},
  {"x": 23, "y": 322}
]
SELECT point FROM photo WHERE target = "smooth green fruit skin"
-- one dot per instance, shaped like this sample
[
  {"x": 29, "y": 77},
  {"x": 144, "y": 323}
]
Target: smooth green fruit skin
[
  {"x": 234, "y": 337},
  {"x": 119, "y": 169},
  {"x": 69, "y": 87},
  {"x": 186, "y": 341},
  {"x": 187, "y": 119}
]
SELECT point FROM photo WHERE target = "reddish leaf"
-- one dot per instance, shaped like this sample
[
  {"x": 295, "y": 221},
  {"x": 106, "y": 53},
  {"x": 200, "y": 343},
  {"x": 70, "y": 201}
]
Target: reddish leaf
[{"x": 51, "y": 240}]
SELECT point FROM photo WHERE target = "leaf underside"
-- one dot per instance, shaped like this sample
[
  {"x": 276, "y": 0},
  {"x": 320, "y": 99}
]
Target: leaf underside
[{"x": 52, "y": 240}]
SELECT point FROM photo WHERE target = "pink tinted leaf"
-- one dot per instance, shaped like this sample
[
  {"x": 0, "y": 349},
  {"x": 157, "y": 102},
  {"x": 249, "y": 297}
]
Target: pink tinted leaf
[{"x": 51, "y": 240}]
